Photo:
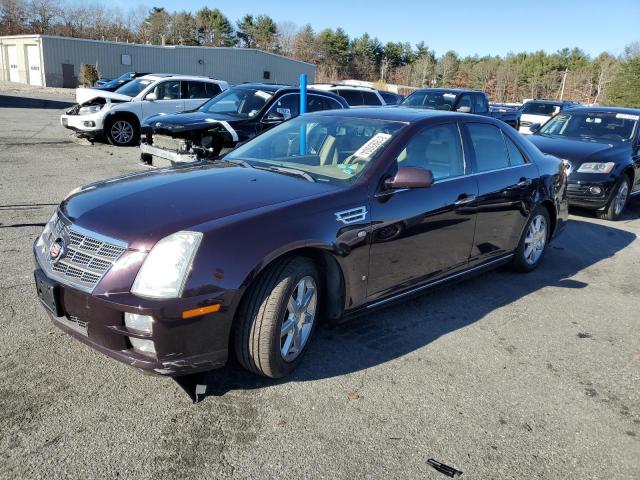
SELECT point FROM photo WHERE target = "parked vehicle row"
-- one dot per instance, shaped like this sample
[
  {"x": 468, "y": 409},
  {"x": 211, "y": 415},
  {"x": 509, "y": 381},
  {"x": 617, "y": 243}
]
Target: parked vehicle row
[{"x": 333, "y": 213}]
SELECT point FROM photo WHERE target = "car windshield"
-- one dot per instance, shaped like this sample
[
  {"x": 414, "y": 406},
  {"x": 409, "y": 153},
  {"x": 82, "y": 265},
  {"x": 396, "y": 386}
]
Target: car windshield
[
  {"x": 238, "y": 102},
  {"x": 538, "y": 108},
  {"x": 430, "y": 100},
  {"x": 593, "y": 126},
  {"x": 338, "y": 149},
  {"x": 134, "y": 87}
]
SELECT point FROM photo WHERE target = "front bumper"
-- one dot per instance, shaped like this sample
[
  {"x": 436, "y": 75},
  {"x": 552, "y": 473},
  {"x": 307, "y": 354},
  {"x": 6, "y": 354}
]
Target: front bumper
[
  {"x": 90, "y": 124},
  {"x": 182, "y": 346},
  {"x": 585, "y": 194},
  {"x": 170, "y": 155}
]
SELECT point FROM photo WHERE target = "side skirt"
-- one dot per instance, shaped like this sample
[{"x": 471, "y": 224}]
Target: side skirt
[{"x": 478, "y": 269}]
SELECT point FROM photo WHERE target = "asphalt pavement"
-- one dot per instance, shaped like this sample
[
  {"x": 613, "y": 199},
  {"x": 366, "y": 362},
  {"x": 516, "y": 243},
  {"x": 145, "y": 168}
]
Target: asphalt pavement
[{"x": 504, "y": 376}]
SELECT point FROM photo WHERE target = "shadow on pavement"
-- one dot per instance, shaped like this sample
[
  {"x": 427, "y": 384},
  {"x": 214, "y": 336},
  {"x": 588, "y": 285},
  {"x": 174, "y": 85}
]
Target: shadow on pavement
[
  {"x": 12, "y": 101},
  {"x": 392, "y": 332}
]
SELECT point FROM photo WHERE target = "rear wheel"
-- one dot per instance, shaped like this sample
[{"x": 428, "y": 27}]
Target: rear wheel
[
  {"x": 618, "y": 201},
  {"x": 123, "y": 132},
  {"x": 277, "y": 318},
  {"x": 533, "y": 243}
]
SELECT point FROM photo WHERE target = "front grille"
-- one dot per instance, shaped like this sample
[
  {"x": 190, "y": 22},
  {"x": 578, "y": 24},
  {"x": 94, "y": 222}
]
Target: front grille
[
  {"x": 87, "y": 256},
  {"x": 577, "y": 189}
]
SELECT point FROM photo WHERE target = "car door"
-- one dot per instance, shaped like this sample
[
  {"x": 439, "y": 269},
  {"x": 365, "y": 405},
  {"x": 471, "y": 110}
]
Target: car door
[
  {"x": 507, "y": 182},
  {"x": 422, "y": 234},
  {"x": 168, "y": 99},
  {"x": 283, "y": 108}
]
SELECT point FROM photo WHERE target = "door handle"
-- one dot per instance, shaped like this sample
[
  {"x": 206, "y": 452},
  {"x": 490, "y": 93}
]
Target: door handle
[
  {"x": 464, "y": 198},
  {"x": 524, "y": 182}
]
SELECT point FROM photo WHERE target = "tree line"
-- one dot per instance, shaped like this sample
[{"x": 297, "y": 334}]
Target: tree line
[{"x": 567, "y": 73}]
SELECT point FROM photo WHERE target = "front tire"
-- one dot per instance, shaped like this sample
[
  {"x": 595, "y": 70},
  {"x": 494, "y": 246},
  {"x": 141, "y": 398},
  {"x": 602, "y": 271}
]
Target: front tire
[
  {"x": 123, "y": 132},
  {"x": 534, "y": 241},
  {"x": 618, "y": 200},
  {"x": 277, "y": 318}
]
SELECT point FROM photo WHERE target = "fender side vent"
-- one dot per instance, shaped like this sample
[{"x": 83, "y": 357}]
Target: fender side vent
[{"x": 353, "y": 215}]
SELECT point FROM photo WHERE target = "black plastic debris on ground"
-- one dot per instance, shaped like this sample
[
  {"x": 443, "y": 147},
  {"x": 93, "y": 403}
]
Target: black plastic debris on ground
[{"x": 442, "y": 468}]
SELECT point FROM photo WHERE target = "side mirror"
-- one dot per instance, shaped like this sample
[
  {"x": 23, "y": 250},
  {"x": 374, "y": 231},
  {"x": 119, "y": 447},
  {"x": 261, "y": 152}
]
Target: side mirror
[
  {"x": 534, "y": 127},
  {"x": 273, "y": 117},
  {"x": 464, "y": 109},
  {"x": 151, "y": 97},
  {"x": 410, "y": 177}
]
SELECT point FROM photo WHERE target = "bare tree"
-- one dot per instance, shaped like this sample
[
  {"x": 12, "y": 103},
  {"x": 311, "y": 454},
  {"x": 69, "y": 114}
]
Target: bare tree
[
  {"x": 287, "y": 32},
  {"x": 43, "y": 13}
]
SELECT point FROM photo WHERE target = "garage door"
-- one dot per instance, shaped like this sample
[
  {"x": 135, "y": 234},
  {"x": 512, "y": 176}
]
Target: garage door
[
  {"x": 33, "y": 59},
  {"x": 12, "y": 53}
]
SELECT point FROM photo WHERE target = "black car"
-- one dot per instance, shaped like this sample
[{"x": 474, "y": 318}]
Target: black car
[
  {"x": 328, "y": 215},
  {"x": 600, "y": 146},
  {"x": 391, "y": 98},
  {"x": 233, "y": 117},
  {"x": 116, "y": 83}
]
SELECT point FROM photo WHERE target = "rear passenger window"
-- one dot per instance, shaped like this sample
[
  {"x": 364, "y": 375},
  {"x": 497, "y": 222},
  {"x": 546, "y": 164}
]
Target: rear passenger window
[
  {"x": 435, "y": 148},
  {"x": 489, "y": 147},
  {"x": 196, "y": 90},
  {"x": 480, "y": 104},
  {"x": 353, "y": 97},
  {"x": 515, "y": 156},
  {"x": 370, "y": 98},
  {"x": 316, "y": 103}
]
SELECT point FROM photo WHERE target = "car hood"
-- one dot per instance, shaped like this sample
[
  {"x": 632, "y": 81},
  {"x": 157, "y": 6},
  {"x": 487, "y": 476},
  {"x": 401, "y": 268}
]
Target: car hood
[
  {"x": 178, "y": 122},
  {"x": 141, "y": 208},
  {"x": 580, "y": 151},
  {"x": 85, "y": 94}
]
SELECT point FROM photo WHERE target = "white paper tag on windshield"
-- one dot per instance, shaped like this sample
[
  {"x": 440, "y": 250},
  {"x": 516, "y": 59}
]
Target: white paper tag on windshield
[
  {"x": 372, "y": 146},
  {"x": 285, "y": 112},
  {"x": 627, "y": 116}
]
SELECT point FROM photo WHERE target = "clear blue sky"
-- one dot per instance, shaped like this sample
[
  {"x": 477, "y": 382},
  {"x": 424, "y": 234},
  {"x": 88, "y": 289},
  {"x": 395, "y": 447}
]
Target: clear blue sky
[{"x": 485, "y": 27}]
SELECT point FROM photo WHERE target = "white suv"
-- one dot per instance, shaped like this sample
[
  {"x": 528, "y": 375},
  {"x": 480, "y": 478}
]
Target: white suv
[
  {"x": 354, "y": 95},
  {"x": 118, "y": 115}
]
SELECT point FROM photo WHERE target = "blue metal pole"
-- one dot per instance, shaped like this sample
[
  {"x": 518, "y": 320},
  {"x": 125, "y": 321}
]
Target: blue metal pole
[{"x": 303, "y": 109}]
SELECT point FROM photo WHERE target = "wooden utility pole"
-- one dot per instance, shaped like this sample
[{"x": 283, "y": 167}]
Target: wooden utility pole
[{"x": 564, "y": 81}]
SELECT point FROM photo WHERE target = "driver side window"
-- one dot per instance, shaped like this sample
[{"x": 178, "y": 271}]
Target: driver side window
[{"x": 436, "y": 148}]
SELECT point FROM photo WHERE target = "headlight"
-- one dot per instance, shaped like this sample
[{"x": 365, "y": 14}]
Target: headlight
[
  {"x": 595, "y": 167},
  {"x": 89, "y": 110},
  {"x": 165, "y": 269}
]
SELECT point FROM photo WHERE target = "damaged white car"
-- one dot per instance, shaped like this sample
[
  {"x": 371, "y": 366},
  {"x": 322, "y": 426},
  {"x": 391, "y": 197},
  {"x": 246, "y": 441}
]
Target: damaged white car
[{"x": 118, "y": 115}]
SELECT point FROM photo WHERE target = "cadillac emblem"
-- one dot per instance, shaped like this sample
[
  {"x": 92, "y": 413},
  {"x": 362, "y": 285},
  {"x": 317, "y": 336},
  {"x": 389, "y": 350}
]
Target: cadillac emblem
[{"x": 57, "y": 250}]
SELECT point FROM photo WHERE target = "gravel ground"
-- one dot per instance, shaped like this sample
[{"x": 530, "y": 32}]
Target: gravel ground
[{"x": 503, "y": 376}]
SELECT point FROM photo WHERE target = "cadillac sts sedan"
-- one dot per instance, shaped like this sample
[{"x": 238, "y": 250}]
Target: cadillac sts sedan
[{"x": 328, "y": 215}]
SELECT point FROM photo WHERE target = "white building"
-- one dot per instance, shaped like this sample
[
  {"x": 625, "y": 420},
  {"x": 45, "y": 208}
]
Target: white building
[{"x": 55, "y": 61}]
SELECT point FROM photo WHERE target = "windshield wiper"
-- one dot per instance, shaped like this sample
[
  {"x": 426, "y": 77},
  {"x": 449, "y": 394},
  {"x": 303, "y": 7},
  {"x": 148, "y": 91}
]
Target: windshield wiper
[
  {"x": 294, "y": 172},
  {"x": 236, "y": 161}
]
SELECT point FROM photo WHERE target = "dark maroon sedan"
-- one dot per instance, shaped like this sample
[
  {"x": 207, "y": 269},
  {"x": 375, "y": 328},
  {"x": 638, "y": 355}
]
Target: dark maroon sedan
[{"x": 327, "y": 215}]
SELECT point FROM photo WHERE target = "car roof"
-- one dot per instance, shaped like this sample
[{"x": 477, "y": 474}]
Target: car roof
[
  {"x": 547, "y": 101},
  {"x": 267, "y": 87},
  {"x": 160, "y": 76},
  {"x": 398, "y": 113},
  {"x": 333, "y": 86},
  {"x": 603, "y": 109},
  {"x": 447, "y": 90}
]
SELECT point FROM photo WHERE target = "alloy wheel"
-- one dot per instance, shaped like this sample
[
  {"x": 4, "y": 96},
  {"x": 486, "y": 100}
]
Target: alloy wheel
[
  {"x": 536, "y": 239},
  {"x": 620, "y": 200},
  {"x": 122, "y": 132},
  {"x": 299, "y": 318}
]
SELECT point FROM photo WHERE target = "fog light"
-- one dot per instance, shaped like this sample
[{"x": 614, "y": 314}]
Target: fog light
[
  {"x": 138, "y": 323},
  {"x": 146, "y": 347},
  {"x": 90, "y": 124},
  {"x": 595, "y": 190}
]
